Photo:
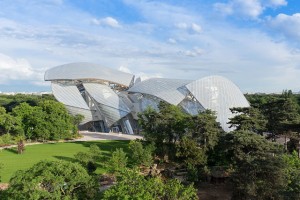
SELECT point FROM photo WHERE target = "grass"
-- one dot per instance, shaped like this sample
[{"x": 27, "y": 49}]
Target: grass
[{"x": 58, "y": 151}]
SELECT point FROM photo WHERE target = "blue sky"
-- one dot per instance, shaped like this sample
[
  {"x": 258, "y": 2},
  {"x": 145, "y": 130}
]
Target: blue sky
[{"x": 255, "y": 43}]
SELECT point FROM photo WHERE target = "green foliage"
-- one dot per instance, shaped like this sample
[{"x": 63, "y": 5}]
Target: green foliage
[
  {"x": 247, "y": 146},
  {"x": 141, "y": 155},
  {"x": 9, "y": 124},
  {"x": 204, "y": 129},
  {"x": 59, "y": 122},
  {"x": 173, "y": 189},
  {"x": 118, "y": 161},
  {"x": 132, "y": 185},
  {"x": 52, "y": 180},
  {"x": 49, "y": 120},
  {"x": 190, "y": 153},
  {"x": 292, "y": 174},
  {"x": 88, "y": 159},
  {"x": 248, "y": 118},
  {"x": 6, "y": 139},
  {"x": 163, "y": 128},
  {"x": 11, "y": 101},
  {"x": 261, "y": 179},
  {"x": 168, "y": 126},
  {"x": 258, "y": 166},
  {"x": 280, "y": 111}
]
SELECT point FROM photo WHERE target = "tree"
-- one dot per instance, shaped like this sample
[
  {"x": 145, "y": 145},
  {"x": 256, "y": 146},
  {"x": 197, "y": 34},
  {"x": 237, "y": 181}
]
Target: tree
[
  {"x": 204, "y": 129},
  {"x": 292, "y": 174},
  {"x": 141, "y": 155},
  {"x": 52, "y": 180},
  {"x": 118, "y": 161},
  {"x": 132, "y": 185},
  {"x": 49, "y": 120},
  {"x": 248, "y": 118},
  {"x": 257, "y": 163},
  {"x": 190, "y": 153},
  {"x": 164, "y": 128},
  {"x": 59, "y": 122},
  {"x": 281, "y": 112},
  {"x": 9, "y": 124}
]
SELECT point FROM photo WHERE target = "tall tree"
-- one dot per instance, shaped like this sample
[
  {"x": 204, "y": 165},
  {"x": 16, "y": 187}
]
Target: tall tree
[
  {"x": 248, "y": 118},
  {"x": 204, "y": 129},
  {"x": 257, "y": 163}
]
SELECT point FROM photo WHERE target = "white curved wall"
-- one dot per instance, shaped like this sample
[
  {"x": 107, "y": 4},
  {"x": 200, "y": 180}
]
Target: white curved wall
[
  {"x": 84, "y": 70},
  {"x": 218, "y": 94}
]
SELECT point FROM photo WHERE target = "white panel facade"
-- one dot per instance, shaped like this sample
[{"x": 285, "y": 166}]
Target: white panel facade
[
  {"x": 218, "y": 94},
  {"x": 106, "y": 96},
  {"x": 71, "y": 97},
  {"x": 68, "y": 95},
  {"x": 83, "y": 70},
  {"x": 79, "y": 111},
  {"x": 165, "y": 89},
  {"x": 104, "y": 104},
  {"x": 112, "y": 108}
]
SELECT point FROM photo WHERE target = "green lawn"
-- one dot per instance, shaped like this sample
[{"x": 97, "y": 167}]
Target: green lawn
[{"x": 58, "y": 151}]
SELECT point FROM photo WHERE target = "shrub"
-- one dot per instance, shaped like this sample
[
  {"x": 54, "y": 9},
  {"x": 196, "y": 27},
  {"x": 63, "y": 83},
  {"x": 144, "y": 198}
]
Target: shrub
[
  {"x": 141, "y": 155},
  {"x": 88, "y": 159},
  {"x": 52, "y": 180},
  {"x": 118, "y": 161},
  {"x": 132, "y": 185}
]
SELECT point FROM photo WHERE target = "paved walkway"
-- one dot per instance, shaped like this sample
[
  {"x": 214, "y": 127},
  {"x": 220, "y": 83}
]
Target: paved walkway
[{"x": 89, "y": 136}]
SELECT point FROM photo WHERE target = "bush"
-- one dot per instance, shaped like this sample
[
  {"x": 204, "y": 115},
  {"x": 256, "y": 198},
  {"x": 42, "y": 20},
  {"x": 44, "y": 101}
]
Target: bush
[
  {"x": 118, "y": 161},
  {"x": 52, "y": 180},
  {"x": 141, "y": 155},
  {"x": 6, "y": 139},
  {"x": 132, "y": 185},
  {"x": 88, "y": 159}
]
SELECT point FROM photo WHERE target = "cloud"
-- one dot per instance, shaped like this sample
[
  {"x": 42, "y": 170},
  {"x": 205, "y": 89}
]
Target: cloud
[
  {"x": 247, "y": 8},
  {"x": 124, "y": 69},
  {"x": 288, "y": 25},
  {"x": 194, "y": 52},
  {"x": 107, "y": 21},
  {"x": 15, "y": 69},
  {"x": 172, "y": 41},
  {"x": 191, "y": 28},
  {"x": 276, "y": 3}
]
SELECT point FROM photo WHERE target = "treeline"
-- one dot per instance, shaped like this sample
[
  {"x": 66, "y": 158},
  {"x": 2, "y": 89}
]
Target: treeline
[
  {"x": 254, "y": 164},
  {"x": 275, "y": 114},
  {"x": 31, "y": 117}
]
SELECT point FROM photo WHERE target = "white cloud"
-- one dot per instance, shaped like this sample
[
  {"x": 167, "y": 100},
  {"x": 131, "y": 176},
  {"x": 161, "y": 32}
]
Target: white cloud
[
  {"x": 143, "y": 76},
  {"x": 247, "y": 8},
  {"x": 196, "y": 51},
  {"x": 15, "y": 69},
  {"x": 288, "y": 25},
  {"x": 125, "y": 69},
  {"x": 191, "y": 28},
  {"x": 182, "y": 25},
  {"x": 167, "y": 41},
  {"x": 196, "y": 28},
  {"x": 172, "y": 41},
  {"x": 276, "y": 3},
  {"x": 107, "y": 21}
]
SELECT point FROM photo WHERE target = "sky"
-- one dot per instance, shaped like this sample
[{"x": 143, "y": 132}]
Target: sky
[{"x": 254, "y": 43}]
